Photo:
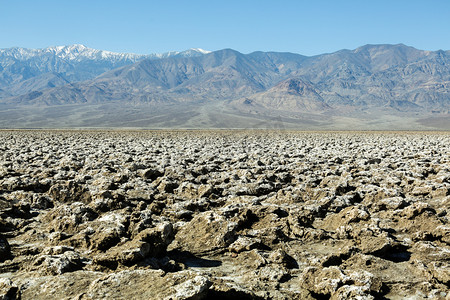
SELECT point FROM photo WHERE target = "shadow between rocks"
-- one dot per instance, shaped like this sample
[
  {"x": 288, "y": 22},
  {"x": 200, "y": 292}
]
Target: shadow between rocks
[
  {"x": 398, "y": 253},
  {"x": 192, "y": 261}
]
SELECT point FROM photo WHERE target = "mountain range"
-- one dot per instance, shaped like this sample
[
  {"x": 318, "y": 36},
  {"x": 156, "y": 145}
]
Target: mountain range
[
  {"x": 371, "y": 86},
  {"x": 27, "y": 70}
]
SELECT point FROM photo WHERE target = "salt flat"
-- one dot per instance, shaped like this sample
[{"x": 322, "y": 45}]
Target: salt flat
[{"x": 253, "y": 214}]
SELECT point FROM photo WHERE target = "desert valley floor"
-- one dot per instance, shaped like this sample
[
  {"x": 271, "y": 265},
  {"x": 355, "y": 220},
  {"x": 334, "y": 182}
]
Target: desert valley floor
[{"x": 224, "y": 214}]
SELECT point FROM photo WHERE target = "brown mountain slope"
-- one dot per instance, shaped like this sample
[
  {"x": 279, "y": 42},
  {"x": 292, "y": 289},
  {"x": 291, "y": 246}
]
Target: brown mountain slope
[{"x": 292, "y": 94}]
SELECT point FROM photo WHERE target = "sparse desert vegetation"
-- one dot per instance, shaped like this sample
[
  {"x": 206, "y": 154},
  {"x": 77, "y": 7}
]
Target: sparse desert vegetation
[{"x": 224, "y": 214}]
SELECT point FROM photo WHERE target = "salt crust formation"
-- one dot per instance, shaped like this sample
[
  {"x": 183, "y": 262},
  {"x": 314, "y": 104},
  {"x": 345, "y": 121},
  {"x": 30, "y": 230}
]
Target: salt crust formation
[{"x": 224, "y": 215}]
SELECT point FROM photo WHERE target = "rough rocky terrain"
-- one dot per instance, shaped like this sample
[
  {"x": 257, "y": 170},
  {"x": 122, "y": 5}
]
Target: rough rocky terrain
[{"x": 224, "y": 215}]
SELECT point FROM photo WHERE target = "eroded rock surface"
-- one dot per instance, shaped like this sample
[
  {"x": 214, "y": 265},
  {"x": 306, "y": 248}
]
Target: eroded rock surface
[{"x": 224, "y": 214}]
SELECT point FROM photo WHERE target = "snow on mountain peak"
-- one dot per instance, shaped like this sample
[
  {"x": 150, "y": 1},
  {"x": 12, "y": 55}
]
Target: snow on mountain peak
[
  {"x": 200, "y": 50},
  {"x": 79, "y": 52}
]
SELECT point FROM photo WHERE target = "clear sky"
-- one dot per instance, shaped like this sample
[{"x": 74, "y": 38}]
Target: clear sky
[{"x": 305, "y": 27}]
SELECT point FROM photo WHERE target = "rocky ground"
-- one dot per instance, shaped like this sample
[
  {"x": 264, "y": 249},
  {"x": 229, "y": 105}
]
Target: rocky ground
[{"x": 224, "y": 215}]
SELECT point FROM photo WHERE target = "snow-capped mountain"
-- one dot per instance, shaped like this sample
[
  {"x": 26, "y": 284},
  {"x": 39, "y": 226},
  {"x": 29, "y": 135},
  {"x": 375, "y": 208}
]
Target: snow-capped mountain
[
  {"x": 38, "y": 68},
  {"x": 80, "y": 52},
  {"x": 193, "y": 52}
]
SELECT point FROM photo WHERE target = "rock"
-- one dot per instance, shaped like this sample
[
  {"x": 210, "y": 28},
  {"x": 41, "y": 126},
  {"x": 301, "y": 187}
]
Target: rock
[
  {"x": 348, "y": 215},
  {"x": 71, "y": 285},
  {"x": 331, "y": 281},
  {"x": 272, "y": 274},
  {"x": 41, "y": 202},
  {"x": 167, "y": 185},
  {"x": 8, "y": 290},
  {"x": 441, "y": 272},
  {"x": 205, "y": 190},
  {"x": 324, "y": 281},
  {"x": 416, "y": 209},
  {"x": 58, "y": 264},
  {"x": 195, "y": 288},
  {"x": 148, "y": 284},
  {"x": 207, "y": 232},
  {"x": 351, "y": 292},
  {"x": 157, "y": 207},
  {"x": 280, "y": 257},
  {"x": 71, "y": 191},
  {"x": 421, "y": 190},
  {"x": 105, "y": 201},
  {"x": 110, "y": 228},
  {"x": 151, "y": 242},
  {"x": 157, "y": 238},
  {"x": 68, "y": 218},
  {"x": 377, "y": 245},
  {"x": 443, "y": 233},
  {"x": 105, "y": 239},
  {"x": 392, "y": 203},
  {"x": 254, "y": 258},
  {"x": 244, "y": 244}
]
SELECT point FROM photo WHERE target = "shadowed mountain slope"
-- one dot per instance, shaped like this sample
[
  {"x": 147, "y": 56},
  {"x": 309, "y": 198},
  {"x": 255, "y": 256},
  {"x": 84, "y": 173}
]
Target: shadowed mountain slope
[{"x": 289, "y": 95}]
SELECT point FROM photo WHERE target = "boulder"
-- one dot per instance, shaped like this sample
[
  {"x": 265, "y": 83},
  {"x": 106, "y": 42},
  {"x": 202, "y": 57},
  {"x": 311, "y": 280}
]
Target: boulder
[{"x": 206, "y": 233}]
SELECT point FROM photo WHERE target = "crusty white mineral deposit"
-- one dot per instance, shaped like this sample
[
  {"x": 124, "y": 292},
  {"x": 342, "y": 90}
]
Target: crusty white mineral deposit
[{"x": 224, "y": 214}]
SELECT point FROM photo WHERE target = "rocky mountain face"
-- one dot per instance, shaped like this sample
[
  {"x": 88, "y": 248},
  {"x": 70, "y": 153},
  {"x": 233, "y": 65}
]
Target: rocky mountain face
[
  {"x": 29, "y": 70},
  {"x": 292, "y": 94},
  {"x": 387, "y": 78},
  {"x": 380, "y": 75}
]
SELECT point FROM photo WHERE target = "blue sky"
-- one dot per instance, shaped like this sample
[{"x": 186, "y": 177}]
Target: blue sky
[{"x": 305, "y": 27}]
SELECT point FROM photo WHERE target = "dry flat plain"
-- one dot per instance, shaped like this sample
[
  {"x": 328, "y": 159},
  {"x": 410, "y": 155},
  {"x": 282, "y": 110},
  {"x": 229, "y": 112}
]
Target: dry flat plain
[{"x": 224, "y": 215}]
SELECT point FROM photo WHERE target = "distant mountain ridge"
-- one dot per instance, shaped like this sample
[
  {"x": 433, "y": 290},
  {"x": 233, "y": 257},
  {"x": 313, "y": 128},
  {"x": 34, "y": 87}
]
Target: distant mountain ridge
[
  {"x": 390, "y": 79},
  {"x": 22, "y": 68},
  {"x": 80, "y": 52}
]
